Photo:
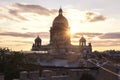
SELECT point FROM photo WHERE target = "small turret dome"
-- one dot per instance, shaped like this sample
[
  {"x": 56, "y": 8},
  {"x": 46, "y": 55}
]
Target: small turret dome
[
  {"x": 60, "y": 19},
  {"x": 38, "y": 39},
  {"x": 82, "y": 39}
]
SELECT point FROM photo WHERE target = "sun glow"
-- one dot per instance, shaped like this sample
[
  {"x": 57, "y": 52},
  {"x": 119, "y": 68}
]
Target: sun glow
[{"x": 73, "y": 31}]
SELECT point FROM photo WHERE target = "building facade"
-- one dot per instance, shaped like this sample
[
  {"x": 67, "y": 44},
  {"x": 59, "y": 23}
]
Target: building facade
[{"x": 60, "y": 39}]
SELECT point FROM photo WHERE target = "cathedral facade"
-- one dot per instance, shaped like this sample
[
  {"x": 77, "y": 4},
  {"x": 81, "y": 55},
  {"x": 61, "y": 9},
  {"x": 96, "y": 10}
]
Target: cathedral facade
[{"x": 60, "y": 42}]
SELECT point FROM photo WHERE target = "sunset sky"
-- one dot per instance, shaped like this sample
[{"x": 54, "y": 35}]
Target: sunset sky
[{"x": 22, "y": 20}]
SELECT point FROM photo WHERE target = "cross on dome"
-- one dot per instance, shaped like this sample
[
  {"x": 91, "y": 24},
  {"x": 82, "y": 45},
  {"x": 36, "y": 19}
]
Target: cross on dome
[{"x": 60, "y": 11}]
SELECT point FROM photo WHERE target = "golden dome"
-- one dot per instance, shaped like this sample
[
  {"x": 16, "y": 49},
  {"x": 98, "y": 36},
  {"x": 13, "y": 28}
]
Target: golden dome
[{"x": 60, "y": 20}]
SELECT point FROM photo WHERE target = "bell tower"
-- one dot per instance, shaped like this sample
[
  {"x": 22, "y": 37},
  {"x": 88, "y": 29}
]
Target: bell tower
[
  {"x": 82, "y": 41},
  {"x": 36, "y": 44}
]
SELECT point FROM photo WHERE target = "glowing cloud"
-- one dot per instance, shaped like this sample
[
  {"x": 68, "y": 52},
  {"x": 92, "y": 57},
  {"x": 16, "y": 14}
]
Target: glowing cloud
[{"x": 91, "y": 16}]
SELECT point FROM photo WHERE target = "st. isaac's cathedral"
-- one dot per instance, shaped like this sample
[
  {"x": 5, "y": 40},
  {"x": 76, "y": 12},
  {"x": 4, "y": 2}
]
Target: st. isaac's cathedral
[
  {"x": 60, "y": 60},
  {"x": 60, "y": 42},
  {"x": 65, "y": 61}
]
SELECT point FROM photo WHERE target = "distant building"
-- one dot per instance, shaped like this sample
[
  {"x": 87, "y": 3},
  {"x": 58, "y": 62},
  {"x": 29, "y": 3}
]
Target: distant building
[{"x": 60, "y": 42}]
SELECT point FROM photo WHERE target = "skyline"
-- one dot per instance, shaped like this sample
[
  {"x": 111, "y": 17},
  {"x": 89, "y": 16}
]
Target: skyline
[{"x": 21, "y": 21}]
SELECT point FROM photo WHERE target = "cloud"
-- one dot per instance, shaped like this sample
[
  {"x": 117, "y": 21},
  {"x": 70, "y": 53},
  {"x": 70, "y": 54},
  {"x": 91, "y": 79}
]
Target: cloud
[
  {"x": 115, "y": 35},
  {"x": 7, "y": 17},
  {"x": 99, "y": 39},
  {"x": 24, "y": 28},
  {"x": 106, "y": 43},
  {"x": 15, "y": 34},
  {"x": 17, "y": 41},
  {"x": 33, "y": 9},
  {"x": 16, "y": 14},
  {"x": 91, "y": 16},
  {"x": 24, "y": 42},
  {"x": 105, "y": 39},
  {"x": 101, "y": 43},
  {"x": 26, "y": 35},
  {"x": 15, "y": 11},
  {"x": 78, "y": 35}
]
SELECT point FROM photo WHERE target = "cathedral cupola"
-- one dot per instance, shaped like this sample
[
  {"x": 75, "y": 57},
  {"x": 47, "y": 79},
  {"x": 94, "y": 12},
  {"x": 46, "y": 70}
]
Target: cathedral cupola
[
  {"x": 82, "y": 41},
  {"x": 38, "y": 41},
  {"x": 60, "y": 20},
  {"x": 59, "y": 32}
]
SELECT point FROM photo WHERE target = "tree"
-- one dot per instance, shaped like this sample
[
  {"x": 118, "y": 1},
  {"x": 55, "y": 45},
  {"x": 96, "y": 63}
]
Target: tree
[{"x": 12, "y": 62}]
